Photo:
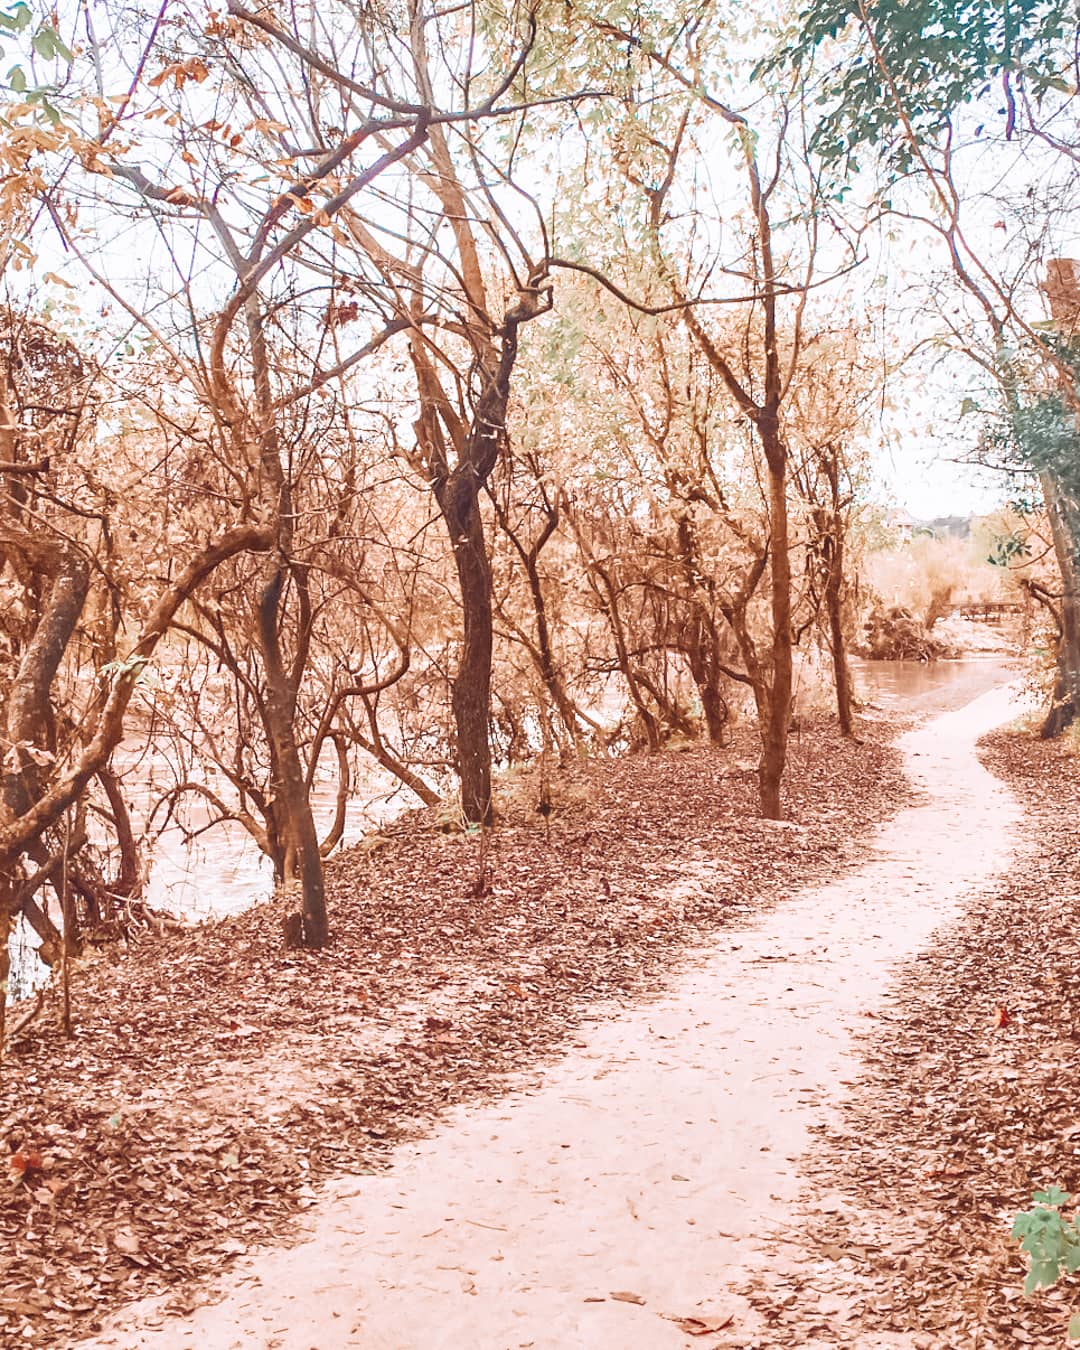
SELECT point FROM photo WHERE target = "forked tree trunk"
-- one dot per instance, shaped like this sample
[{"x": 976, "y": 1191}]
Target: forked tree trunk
[{"x": 457, "y": 492}]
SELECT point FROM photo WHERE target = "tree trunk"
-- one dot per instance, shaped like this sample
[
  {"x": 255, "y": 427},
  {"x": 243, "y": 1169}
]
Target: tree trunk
[
  {"x": 457, "y": 492},
  {"x": 778, "y": 712},
  {"x": 546, "y": 666},
  {"x": 703, "y": 653},
  {"x": 1065, "y": 529},
  {"x": 834, "y": 583},
  {"x": 702, "y": 640},
  {"x": 291, "y": 787},
  {"x": 459, "y": 501},
  {"x": 1062, "y": 289},
  {"x": 128, "y": 881},
  {"x": 5, "y": 955},
  {"x": 29, "y": 710}
]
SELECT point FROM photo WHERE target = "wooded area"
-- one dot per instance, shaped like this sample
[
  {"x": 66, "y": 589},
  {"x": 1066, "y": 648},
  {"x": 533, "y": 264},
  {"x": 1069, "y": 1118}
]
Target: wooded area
[
  {"x": 428, "y": 402},
  {"x": 404, "y": 384}
]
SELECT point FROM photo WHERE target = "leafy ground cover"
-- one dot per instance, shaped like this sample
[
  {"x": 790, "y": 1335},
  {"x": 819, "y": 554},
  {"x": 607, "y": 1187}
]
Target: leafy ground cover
[
  {"x": 216, "y": 1078},
  {"x": 967, "y": 1104}
]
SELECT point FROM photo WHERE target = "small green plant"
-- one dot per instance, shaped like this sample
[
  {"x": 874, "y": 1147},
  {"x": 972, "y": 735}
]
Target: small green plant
[{"x": 1052, "y": 1241}]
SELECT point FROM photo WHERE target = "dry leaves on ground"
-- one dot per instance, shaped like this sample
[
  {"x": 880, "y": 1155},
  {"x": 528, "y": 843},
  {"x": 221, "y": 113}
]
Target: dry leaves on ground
[{"x": 216, "y": 1078}]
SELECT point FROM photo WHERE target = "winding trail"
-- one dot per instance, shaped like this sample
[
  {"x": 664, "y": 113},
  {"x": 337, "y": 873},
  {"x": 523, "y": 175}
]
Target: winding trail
[{"x": 647, "y": 1162}]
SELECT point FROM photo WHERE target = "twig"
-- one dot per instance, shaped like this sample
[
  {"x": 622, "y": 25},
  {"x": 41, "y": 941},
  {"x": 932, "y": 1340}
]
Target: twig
[
  {"x": 20, "y": 1024},
  {"x": 65, "y": 904}
]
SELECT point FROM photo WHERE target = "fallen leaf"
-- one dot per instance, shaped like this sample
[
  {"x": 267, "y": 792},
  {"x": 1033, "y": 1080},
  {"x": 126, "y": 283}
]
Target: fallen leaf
[
  {"x": 21, "y": 1163},
  {"x": 703, "y": 1326},
  {"x": 624, "y": 1296}
]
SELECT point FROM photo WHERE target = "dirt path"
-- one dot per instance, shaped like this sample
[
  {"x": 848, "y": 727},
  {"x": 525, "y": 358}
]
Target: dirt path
[{"x": 649, "y": 1162}]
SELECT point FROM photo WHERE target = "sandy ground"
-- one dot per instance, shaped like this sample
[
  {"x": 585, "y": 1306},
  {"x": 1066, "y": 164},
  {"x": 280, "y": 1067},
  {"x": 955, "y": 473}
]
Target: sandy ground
[{"x": 635, "y": 1183}]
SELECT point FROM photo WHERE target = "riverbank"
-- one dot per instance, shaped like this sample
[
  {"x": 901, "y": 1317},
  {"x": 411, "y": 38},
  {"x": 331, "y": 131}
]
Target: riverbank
[
  {"x": 215, "y": 1080},
  {"x": 966, "y": 1103}
]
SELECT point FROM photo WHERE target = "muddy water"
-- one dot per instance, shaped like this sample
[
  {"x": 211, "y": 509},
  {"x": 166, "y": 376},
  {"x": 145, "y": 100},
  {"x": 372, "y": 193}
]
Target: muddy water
[
  {"x": 636, "y": 1181},
  {"x": 921, "y": 687},
  {"x": 223, "y": 871},
  {"x": 208, "y": 871}
]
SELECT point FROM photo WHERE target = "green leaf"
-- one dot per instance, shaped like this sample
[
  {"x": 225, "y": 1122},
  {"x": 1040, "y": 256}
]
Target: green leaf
[
  {"x": 40, "y": 99},
  {"x": 1054, "y": 1196},
  {"x": 131, "y": 665},
  {"x": 1042, "y": 1275},
  {"x": 45, "y": 43},
  {"x": 17, "y": 79},
  {"x": 1074, "y": 1327}
]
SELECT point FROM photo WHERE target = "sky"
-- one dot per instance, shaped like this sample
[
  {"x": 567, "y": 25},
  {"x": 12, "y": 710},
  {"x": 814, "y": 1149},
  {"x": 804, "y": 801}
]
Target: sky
[{"x": 926, "y": 484}]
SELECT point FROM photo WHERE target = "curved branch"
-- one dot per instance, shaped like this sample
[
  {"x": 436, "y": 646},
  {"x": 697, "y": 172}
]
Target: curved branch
[{"x": 15, "y": 836}]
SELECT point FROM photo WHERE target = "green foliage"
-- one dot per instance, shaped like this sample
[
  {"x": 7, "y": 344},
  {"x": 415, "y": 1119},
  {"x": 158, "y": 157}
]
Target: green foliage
[
  {"x": 15, "y": 23},
  {"x": 131, "y": 666},
  {"x": 1031, "y": 504},
  {"x": 1040, "y": 436},
  {"x": 1008, "y": 549},
  {"x": 938, "y": 55},
  {"x": 1052, "y": 1242},
  {"x": 16, "y": 20}
]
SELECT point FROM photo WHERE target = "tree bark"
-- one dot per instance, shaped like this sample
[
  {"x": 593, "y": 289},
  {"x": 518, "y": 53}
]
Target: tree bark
[
  {"x": 6, "y": 917},
  {"x": 291, "y": 787},
  {"x": 1065, "y": 530},
  {"x": 457, "y": 493},
  {"x": 778, "y": 712},
  {"x": 833, "y": 545},
  {"x": 17, "y": 834},
  {"x": 459, "y": 501},
  {"x": 1062, "y": 288},
  {"x": 542, "y": 651},
  {"x": 702, "y": 639},
  {"x": 703, "y": 654}
]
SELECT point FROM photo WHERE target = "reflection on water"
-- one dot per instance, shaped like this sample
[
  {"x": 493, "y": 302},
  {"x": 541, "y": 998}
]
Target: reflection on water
[
  {"x": 203, "y": 873},
  {"x": 223, "y": 870}
]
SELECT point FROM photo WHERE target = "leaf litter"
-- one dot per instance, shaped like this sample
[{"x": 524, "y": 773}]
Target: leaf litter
[{"x": 216, "y": 1078}]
